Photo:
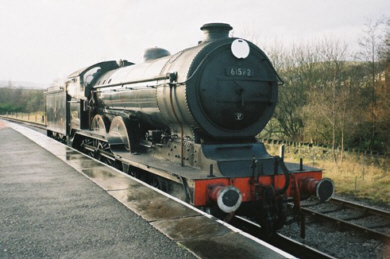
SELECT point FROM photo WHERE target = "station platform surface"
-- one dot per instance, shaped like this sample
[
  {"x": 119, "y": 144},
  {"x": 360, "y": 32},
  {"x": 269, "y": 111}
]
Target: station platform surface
[{"x": 58, "y": 203}]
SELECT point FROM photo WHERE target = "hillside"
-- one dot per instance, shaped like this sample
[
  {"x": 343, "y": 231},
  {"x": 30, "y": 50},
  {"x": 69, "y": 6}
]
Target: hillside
[{"x": 21, "y": 100}]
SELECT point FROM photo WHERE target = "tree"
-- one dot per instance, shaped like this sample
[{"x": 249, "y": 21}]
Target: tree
[
  {"x": 295, "y": 66},
  {"x": 328, "y": 94},
  {"x": 327, "y": 99},
  {"x": 21, "y": 100},
  {"x": 383, "y": 89},
  {"x": 370, "y": 42}
]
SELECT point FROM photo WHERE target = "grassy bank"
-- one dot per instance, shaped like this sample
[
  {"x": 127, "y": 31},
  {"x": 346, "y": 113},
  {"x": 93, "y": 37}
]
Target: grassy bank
[{"x": 360, "y": 176}]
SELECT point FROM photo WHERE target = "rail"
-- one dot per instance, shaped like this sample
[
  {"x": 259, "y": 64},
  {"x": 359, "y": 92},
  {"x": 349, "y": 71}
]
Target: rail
[
  {"x": 19, "y": 120},
  {"x": 344, "y": 222},
  {"x": 365, "y": 209}
]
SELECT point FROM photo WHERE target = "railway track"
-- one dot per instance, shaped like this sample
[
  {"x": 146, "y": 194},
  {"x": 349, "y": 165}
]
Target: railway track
[
  {"x": 349, "y": 214},
  {"x": 373, "y": 223},
  {"x": 28, "y": 123}
]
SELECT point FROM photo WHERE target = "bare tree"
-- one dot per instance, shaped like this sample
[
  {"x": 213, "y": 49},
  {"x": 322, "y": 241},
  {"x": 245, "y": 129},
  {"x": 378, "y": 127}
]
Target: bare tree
[
  {"x": 296, "y": 68},
  {"x": 369, "y": 42},
  {"x": 383, "y": 90},
  {"x": 328, "y": 99}
]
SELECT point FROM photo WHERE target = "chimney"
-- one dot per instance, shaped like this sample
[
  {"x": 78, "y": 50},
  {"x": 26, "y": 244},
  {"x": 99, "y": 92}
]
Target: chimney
[{"x": 215, "y": 31}]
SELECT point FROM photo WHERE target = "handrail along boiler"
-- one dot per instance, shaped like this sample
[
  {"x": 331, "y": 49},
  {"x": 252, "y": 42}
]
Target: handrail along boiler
[{"x": 186, "y": 123}]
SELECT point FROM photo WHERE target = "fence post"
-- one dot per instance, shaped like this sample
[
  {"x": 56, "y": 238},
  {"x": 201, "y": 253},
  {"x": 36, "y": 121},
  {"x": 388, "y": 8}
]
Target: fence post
[
  {"x": 312, "y": 155},
  {"x": 355, "y": 183},
  {"x": 363, "y": 165},
  {"x": 281, "y": 151}
]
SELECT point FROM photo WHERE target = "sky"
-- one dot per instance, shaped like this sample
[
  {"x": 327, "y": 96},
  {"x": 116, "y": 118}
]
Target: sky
[{"x": 44, "y": 40}]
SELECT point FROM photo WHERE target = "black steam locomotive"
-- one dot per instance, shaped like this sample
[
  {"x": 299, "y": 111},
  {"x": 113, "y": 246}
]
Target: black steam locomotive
[{"x": 186, "y": 123}]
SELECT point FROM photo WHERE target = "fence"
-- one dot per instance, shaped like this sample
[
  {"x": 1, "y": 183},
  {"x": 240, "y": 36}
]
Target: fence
[
  {"x": 322, "y": 151},
  {"x": 314, "y": 154},
  {"x": 37, "y": 117}
]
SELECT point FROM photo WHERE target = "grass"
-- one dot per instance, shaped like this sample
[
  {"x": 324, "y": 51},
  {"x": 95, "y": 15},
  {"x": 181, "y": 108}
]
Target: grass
[
  {"x": 361, "y": 177},
  {"x": 373, "y": 184}
]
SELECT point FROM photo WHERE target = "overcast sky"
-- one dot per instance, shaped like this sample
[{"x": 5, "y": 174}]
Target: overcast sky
[{"x": 42, "y": 40}]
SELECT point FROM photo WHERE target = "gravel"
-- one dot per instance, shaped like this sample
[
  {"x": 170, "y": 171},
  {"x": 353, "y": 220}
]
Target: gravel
[{"x": 348, "y": 244}]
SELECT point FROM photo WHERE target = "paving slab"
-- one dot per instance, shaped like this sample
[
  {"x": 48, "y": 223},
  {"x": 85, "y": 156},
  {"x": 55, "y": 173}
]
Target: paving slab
[{"x": 49, "y": 210}]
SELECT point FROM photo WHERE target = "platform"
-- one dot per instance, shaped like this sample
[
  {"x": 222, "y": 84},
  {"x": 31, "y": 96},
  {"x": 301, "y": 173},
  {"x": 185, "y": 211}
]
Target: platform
[{"x": 56, "y": 202}]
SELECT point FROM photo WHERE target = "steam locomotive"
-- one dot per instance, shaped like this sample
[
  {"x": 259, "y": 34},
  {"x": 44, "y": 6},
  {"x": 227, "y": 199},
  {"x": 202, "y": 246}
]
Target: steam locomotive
[{"x": 187, "y": 124}]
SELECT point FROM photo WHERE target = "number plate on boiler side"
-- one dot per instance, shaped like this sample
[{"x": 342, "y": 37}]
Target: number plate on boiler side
[{"x": 239, "y": 71}]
